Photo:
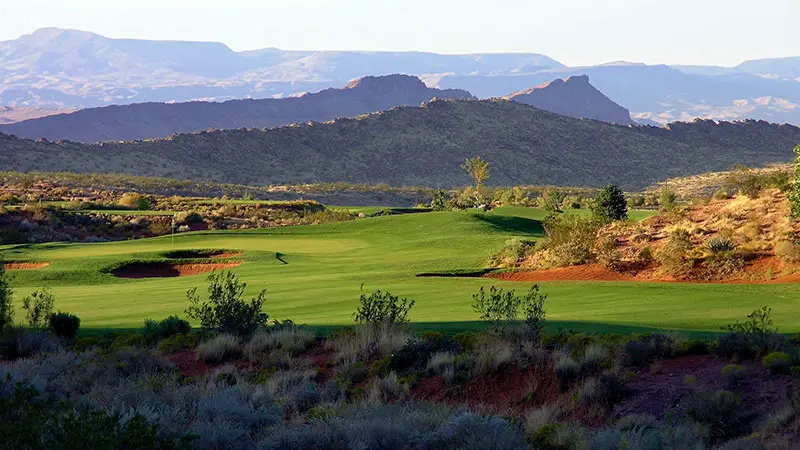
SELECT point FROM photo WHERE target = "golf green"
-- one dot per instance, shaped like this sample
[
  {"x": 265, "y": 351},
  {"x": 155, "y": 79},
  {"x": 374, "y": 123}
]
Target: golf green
[{"x": 313, "y": 275}]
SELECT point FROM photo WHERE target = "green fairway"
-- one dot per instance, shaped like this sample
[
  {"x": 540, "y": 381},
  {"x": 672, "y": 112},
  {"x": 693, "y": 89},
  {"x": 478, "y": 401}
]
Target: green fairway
[{"x": 313, "y": 275}]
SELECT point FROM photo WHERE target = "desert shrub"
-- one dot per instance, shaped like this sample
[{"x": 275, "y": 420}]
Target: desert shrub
[
  {"x": 442, "y": 364},
  {"x": 6, "y": 294},
  {"x": 635, "y": 201},
  {"x": 382, "y": 308},
  {"x": 723, "y": 265},
  {"x": 515, "y": 250},
  {"x": 501, "y": 308},
  {"x": 646, "y": 255},
  {"x": 177, "y": 343},
  {"x": 171, "y": 326},
  {"x": 466, "y": 340},
  {"x": 570, "y": 239},
  {"x": 568, "y": 371},
  {"x": 226, "y": 311},
  {"x": 367, "y": 342},
  {"x": 11, "y": 236},
  {"x": 133, "y": 200},
  {"x": 64, "y": 325},
  {"x": 794, "y": 194},
  {"x": 490, "y": 355},
  {"x": 723, "y": 193},
  {"x": 188, "y": 218},
  {"x": 778, "y": 362},
  {"x": 735, "y": 345},
  {"x": 414, "y": 355},
  {"x": 641, "y": 432},
  {"x": 637, "y": 353},
  {"x": 758, "y": 331},
  {"x": 788, "y": 251},
  {"x": 606, "y": 252},
  {"x": 38, "y": 307},
  {"x": 388, "y": 388},
  {"x": 593, "y": 359},
  {"x": 722, "y": 412},
  {"x": 219, "y": 349},
  {"x": 720, "y": 245},
  {"x": 290, "y": 340},
  {"x": 609, "y": 205},
  {"x": 431, "y": 336},
  {"x": 733, "y": 374},
  {"x": 673, "y": 256},
  {"x": 26, "y": 344}
]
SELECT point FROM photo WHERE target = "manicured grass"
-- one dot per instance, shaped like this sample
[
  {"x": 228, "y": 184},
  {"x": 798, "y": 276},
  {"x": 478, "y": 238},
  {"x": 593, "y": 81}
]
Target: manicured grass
[{"x": 313, "y": 275}]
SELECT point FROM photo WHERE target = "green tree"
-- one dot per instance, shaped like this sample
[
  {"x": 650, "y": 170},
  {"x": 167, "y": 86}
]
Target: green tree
[
  {"x": 794, "y": 195},
  {"x": 440, "y": 202},
  {"x": 478, "y": 169},
  {"x": 226, "y": 311},
  {"x": 39, "y": 307},
  {"x": 552, "y": 201},
  {"x": 6, "y": 294},
  {"x": 610, "y": 205}
]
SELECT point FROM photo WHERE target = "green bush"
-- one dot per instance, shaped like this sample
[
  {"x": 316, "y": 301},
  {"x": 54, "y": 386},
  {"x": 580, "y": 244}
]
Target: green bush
[
  {"x": 734, "y": 374},
  {"x": 570, "y": 239},
  {"x": 219, "y": 349},
  {"x": 610, "y": 205},
  {"x": 778, "y": 363},
  {"x": 758, "y": 331},
  {"x": 133, "y": 200},
  {"x": 172, "y": 325},
  {"x": 38, "y": 307},
  {"x": 383, "y": 308},
  {"x": 65, "y": 325},
  {"x": 501, "y": 308},
  {"x": 720, "y": 245},
  {"x": 723, "y": 413},
  {"x": 226, "y": 311},
  {"x": 177, "y": 343},
  {"x": 567, "y": 371}
]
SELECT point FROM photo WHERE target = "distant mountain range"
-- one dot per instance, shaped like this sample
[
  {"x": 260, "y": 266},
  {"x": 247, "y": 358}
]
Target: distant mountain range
[
  {"x": 56, "y": 68},
  {"x": 153, "y": 120},
  {"x": 425, "y": 146}
]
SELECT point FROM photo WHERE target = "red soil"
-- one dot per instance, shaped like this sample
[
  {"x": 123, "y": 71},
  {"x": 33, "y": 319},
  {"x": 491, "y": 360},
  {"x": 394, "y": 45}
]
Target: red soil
[
  {"x": 596, "y": 272},
  {"x": 25, "y": 265},
  {"x": 511, "y": 390},
  {"x": 164, "y": 270}
]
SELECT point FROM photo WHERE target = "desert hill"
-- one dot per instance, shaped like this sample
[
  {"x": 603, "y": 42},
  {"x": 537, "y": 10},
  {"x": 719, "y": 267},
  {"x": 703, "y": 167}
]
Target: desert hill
[
  {"x": 423, "y": 146},
  {"x": 151, "y": 120},
  {"x": 575, "y": 97}
]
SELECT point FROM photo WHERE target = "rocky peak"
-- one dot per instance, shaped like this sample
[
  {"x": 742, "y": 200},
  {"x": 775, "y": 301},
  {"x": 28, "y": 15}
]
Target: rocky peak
[{"x": 575, "y": 97}]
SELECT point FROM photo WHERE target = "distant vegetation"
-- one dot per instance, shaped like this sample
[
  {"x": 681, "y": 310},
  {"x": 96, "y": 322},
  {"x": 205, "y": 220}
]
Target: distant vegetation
[{"x": 530, "y": 145}]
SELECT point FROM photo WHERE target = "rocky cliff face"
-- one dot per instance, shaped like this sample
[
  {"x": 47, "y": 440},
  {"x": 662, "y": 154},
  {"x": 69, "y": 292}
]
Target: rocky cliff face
[
  {"x": 574, "y": 97},
  {"x": 152, "y": 120}
]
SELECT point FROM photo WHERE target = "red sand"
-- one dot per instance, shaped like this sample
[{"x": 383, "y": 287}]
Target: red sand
[
  {"x": 25, "y": 265},
  {"x": 164, "y": 270}
]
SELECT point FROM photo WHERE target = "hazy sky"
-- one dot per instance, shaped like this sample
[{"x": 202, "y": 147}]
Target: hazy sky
[{"x": 575, "y": 32}]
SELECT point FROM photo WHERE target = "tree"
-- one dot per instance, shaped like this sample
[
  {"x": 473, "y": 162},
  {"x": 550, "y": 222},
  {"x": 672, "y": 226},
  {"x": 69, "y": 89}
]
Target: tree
[
  {"x": 440, "y": 202},
  {"x": 552, "y": 201},
  {"x": 6, "y": 293},
  {"x": 794, "y": 195},
  {"x": 226, "y": 311},
  {"x": 610, "y": 205},
  {"x": 478, "y": 169}
]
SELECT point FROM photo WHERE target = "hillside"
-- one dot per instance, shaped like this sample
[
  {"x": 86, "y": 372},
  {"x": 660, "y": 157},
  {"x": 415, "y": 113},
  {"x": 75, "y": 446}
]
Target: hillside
[
  {"x": 150, "y": 120},
  {"x": 575, "y": 97},
  {"x": 421, "y": 146}
]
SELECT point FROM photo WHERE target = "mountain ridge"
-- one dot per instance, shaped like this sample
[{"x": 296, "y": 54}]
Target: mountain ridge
[
  {"x": 423, "y": 146},
  {"x": 153, "y": 120}
]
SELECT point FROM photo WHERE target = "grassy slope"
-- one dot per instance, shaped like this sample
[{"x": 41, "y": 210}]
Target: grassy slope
[{"x": 328, "y": 263}]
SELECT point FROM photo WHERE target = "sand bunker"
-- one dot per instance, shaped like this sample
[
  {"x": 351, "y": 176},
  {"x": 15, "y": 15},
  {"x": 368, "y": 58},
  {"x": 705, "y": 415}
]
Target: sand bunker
[
  {"x": 25, "y": 265},
  {"x": 202, "y": 254},
  {"x": 166, "y": 270}
]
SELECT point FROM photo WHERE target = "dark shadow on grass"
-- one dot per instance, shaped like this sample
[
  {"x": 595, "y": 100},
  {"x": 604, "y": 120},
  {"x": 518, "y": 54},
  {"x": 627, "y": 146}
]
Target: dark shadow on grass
[
  {"x": 450, "y": 328},
  {"x": 279, "y": 256},
  {"x": 511, "y": 224}
]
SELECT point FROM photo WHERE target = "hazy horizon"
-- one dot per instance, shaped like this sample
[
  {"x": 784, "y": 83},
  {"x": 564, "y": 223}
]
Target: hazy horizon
[{"x": 576, "y": 32}]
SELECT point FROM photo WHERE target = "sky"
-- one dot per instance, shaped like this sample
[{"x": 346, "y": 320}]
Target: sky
[{"x": 575, "y": 32}]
